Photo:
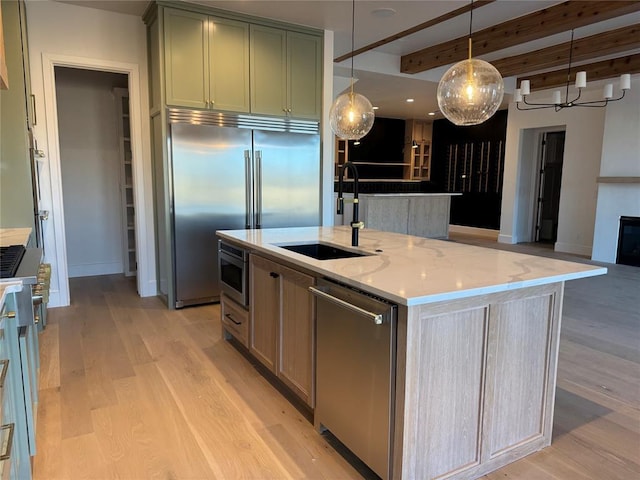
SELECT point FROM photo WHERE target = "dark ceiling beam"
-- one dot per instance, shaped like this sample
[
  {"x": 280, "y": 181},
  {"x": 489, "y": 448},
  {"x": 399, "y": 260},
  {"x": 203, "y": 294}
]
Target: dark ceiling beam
[
  {"x": 608, "y": 43},
  {"x": 595, "y": 71},
  {"x": 412, "y": 30},
  {"x": 536, "y": 25}
]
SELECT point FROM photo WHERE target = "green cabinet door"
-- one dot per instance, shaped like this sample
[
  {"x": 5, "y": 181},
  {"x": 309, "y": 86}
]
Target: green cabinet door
[
  {"x": 186, "y": 43},
  {"x": 268, "y": 70},
  {"x": 228, "y": 65},
  {"x": 304, "y": 75}
]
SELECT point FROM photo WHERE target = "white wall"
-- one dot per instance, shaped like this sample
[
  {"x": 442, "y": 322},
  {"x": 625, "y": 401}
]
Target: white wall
[
  {"x": 91, "y": 170},
  {"x": 583, "y": 147},
  {"x": 620, "y": 158},
  {"x": 61, "y": 30}
]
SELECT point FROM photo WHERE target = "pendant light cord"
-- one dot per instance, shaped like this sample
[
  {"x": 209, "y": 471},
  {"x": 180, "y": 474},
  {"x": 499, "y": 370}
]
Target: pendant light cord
[
  {"x": 353, "y": 29},
  {"x": 566, "y": 96},
  {"x": 470, "y": 23}
]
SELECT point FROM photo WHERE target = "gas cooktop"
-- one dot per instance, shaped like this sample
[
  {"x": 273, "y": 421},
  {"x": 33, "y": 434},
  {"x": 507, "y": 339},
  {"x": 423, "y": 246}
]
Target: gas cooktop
[{"x": 10, "y": 258}]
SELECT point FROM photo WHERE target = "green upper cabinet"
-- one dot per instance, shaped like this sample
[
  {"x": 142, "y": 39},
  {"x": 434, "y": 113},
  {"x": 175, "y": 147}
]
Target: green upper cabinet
[
  {"x": 304, "y": 75},
  {"x": 268, "y": 70},
  {"x": 286, "y": 73},
  {"x": 206, "y": 61},
  {"x": 228, "y": 65},
  {"x": 186, "y": 40}
]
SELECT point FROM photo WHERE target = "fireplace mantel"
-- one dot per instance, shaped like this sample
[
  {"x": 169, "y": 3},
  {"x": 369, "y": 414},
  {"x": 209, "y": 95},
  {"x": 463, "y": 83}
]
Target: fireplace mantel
[{"x": 618, "y": 180}]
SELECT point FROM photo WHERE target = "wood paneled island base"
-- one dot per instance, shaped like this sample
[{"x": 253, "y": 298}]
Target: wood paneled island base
[
  {"x": 477, "y": 388},
  {"x": 476, "y": 350}
]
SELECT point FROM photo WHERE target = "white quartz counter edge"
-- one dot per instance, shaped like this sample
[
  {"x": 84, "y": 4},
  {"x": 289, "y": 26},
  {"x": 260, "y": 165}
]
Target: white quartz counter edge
[{"x": 414, "y": 270}]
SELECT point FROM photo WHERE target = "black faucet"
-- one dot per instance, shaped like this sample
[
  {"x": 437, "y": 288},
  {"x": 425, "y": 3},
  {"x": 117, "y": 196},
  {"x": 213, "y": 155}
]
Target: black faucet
[{"x": 355, "y": 224}]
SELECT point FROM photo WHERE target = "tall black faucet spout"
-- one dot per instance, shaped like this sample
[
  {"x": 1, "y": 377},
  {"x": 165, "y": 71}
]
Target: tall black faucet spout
[{"x": 356, "y": 225}]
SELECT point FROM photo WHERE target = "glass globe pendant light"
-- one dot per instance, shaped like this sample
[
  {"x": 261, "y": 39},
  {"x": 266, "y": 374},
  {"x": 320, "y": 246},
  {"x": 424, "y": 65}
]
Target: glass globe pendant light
[
  {"x": 351, "y": 116},
  {"x": 471, "y": 91}
]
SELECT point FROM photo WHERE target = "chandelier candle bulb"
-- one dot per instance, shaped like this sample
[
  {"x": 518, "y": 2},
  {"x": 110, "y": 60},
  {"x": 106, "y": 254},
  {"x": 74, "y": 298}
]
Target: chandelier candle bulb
[
  {"x": 625, "y": 81},
  {"x": 518, "y": 95},
  {"x": 556, "y": 98},
  {"x": 525, "y": 87},
  {"x": 581, "y": 79},
  {"x": 608, "y": 90}
]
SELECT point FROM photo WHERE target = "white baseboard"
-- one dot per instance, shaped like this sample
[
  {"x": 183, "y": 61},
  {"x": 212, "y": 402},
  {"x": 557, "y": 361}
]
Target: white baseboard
[
  {"x": 91, "y": 269},
  {"x": 475, "y": 231},
  {"x": 584, "y": 250},
  {"x": 54, "y": 299},
  {"x": 149, "y": 289},
  {"x": 508, "y": 239}
]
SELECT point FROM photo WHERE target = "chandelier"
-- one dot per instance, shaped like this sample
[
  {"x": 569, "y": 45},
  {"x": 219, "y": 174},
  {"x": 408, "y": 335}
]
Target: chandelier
[
  {"x": 471, "y": 91},
  {"x": 557, "y": 103},
  {"x": 351, "y": 116}
]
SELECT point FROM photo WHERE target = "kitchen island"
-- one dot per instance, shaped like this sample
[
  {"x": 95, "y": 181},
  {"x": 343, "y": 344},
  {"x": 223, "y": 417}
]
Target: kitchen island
[
  {"x": 419, "y": 214},
  {"x": 476, "y": 340}
]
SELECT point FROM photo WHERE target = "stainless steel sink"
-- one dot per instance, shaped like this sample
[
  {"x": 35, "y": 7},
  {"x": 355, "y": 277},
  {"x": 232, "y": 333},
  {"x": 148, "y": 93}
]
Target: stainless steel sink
[{"x": 322, "y": 251}]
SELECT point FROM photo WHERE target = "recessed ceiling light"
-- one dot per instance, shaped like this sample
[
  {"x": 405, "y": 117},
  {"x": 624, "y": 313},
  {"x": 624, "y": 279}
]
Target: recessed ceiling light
[
  {"x": 375, "y": 108},
  {"x": 383, "y": 12},
  {"x": 409, "y": 100},
  {"x": 431, "y": 114}
]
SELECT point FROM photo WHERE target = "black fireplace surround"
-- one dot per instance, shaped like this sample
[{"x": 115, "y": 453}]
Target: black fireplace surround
[{"x": 629, "y": 241}]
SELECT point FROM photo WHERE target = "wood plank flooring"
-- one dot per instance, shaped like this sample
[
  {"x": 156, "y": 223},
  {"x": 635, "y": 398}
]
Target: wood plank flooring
[{"x": 130, "y": 390}]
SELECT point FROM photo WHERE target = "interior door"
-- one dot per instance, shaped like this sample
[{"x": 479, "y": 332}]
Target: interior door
[
  {"x": 287, "y": 179},
  {"x": 549, "y": 186}
]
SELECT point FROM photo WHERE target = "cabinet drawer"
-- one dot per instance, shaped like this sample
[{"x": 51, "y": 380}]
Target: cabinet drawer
[{"x": 235, "y": 319}]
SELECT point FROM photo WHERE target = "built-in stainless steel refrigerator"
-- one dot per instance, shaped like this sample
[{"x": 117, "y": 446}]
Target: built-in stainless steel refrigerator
[{"x": 235, "y": 172}]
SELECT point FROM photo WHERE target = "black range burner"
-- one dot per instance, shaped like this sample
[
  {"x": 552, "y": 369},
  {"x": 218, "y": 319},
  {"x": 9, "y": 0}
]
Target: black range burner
[{"x": 10, "y": 260}]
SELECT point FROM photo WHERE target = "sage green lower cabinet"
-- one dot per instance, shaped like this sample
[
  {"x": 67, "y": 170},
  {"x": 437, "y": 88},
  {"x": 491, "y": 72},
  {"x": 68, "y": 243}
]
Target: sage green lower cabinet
[
  {"x": 206, "y": 61},
  {"x": 14, "y": 429}
]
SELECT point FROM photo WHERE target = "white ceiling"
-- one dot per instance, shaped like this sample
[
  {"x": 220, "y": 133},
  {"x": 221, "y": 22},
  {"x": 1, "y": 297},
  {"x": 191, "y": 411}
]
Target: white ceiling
[{"x": 378, "y": 71}]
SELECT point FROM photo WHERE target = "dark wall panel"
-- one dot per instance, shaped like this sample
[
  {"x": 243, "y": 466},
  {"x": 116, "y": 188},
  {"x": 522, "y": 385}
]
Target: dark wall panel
[{"x": 470, "y": 160}]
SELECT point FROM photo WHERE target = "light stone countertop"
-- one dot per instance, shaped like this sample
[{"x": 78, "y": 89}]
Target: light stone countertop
[
  {"x": 412, "y": 270},
  {"x": 14, "y": 236}
]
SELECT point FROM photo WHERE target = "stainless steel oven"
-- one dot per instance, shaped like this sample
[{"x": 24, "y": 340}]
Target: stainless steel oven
[{"x": 233, "y": 268}]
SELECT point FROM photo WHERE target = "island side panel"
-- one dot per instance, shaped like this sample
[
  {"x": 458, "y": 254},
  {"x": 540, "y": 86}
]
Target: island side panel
[
  {"x": 521, "y": 375},
  {"x": 457, "y": 374}
]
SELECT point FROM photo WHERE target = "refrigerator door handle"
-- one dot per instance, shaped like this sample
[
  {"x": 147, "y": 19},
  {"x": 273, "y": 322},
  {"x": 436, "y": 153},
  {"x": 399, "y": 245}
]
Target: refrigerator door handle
[
  {"x": 259, "y": 189},
  {"x": 248, "y": 188}
]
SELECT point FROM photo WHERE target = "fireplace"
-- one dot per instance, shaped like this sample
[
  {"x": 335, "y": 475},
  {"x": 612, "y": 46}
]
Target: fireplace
[{"x": 629, "y": 241}]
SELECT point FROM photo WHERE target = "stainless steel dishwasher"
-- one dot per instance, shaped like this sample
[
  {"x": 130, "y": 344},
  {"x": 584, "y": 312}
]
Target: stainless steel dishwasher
[{"x": 355, "y": 371}]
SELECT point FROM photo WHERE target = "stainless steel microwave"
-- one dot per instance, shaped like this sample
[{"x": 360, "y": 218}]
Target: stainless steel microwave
[{"x": 233, "y": 268}]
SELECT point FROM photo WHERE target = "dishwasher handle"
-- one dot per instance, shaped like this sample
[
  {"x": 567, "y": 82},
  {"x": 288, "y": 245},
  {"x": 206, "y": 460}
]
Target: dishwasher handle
[{"x": 376, "y": 317}]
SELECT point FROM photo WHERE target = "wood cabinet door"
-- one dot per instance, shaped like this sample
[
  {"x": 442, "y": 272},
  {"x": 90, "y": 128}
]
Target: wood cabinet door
[
  {"x": 520, "y": 378},
  {"x": 186, "y": 40},
  {"x": 304, "y": 75},
  {"x": 297, "y": 327},
  {"x": 268, "y": 48},
  {"x": 264, "y": 291},
  {"x": 228, "y": 65}
]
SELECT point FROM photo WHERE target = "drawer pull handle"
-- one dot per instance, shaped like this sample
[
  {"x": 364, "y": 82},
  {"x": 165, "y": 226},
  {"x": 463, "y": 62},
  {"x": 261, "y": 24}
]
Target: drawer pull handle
[
  {"x": 274, "y": 274},
  {"x": 8, "y": 315},
  {"x": 7, "y": 454},
  {"x": 228, "y": 315},
  {"x": 5, "y": 369}
]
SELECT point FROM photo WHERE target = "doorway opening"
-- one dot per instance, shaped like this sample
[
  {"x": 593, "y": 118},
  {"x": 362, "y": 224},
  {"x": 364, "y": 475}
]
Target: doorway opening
[
  {"x": 549, "y": 184},
  {"x": 96, "y": 171}
]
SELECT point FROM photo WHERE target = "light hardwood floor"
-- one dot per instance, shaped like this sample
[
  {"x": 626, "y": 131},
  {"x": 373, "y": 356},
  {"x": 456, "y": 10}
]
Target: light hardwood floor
[{"x": 131, "y": 390}]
